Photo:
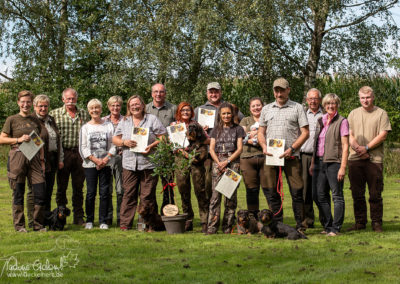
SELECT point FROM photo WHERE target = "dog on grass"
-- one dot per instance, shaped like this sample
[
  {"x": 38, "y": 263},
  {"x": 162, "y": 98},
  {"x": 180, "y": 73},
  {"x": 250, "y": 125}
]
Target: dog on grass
[
  {"x": 194, "y": 133},
  {"x": 276, "y": 229},
  {"x": 57, "y": 218},
  {"x": 246, "y": 223}
]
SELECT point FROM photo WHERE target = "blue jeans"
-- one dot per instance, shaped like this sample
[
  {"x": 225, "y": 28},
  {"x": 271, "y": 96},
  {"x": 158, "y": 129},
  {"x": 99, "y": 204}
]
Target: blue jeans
[
  {"x": 92, "y": 176},
  {"x": 324, "y": 180}
]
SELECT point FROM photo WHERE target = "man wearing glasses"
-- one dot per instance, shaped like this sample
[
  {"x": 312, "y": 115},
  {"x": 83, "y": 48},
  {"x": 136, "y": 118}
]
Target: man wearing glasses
[
  {"x": 165, "y": 111},
  {"x": 313, "y": 112}
]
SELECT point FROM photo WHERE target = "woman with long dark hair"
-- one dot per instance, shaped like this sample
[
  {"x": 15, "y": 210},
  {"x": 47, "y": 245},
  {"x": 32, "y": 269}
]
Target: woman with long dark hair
[
  {"x": 225, "y": 147},
  {"x": 252, "y": 159}
]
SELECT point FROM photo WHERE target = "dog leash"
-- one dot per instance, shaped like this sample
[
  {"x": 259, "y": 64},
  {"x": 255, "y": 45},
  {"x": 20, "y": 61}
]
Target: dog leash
[{"x": 279, "y": 189}]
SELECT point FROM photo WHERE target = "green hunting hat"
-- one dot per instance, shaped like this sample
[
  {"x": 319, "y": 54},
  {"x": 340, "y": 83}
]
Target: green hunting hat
[
  {"x": 213, "y": 85},
  {"x": 281, "y": 82}
]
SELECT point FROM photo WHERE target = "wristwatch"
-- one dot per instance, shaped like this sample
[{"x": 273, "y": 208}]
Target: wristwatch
[
  {"x": 229, "y": 161},
  {"x": 367, "y": 148},
  {"x": 293, "y": 149}
]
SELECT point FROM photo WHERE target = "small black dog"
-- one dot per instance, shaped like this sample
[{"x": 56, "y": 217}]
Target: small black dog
[
  {"x": 194, "y": 133},
  {"x": 276, "y": 229},
  {"x": 246, "y": 223},
  {"x": 57, "y": 218}
]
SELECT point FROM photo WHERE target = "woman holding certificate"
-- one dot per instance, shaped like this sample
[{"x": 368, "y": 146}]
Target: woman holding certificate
[
  {"x": 16, "y": 130},
  {"x": 197, "y": 140},
  {"x": 329, "y": 163},
  {"x": 252, "y": 159},
  {"x": 96, "y": 150},
  {"x": 225, "y": 147},
  {"x": 136, "y": 133}
]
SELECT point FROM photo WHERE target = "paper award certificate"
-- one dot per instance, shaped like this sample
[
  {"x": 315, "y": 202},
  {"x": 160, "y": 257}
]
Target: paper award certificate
[
  {"x": 206, "y": 117},
  {"x": 141, "y": 137},
  {"x": 228, "y": 183},
  {"x": 29, "y": 149},
  {"x": 276, "y": 147},
  {"x": 177, "y": 135}
]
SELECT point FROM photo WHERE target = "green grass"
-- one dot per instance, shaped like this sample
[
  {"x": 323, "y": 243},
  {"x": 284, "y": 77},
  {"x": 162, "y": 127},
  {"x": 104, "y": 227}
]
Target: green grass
[{"x": 133, "y": 257}]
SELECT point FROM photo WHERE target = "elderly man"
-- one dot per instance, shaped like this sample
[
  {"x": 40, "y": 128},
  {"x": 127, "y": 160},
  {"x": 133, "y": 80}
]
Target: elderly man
[
  {"x": 313, "y": 112},
  {"x": 165, "y": 112},
  {"x": 284, "y": 119},
  {"x": 214, "y": 100},
  {"x": 369, "y": 126},
  {"x": 69, "y": 119}
]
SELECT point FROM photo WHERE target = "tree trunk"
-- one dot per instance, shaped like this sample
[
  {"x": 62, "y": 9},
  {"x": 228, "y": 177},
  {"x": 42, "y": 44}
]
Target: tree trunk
[{"x": 320, "y": 13}]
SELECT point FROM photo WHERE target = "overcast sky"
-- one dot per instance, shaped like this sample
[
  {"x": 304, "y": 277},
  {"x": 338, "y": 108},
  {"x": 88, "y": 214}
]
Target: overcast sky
[{"x": 6, "y": 63}]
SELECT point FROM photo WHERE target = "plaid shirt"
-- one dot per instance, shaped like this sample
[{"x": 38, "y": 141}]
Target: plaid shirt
[
  {"x": 69, "y": 127},
  {"x": 284, "y": 122}
]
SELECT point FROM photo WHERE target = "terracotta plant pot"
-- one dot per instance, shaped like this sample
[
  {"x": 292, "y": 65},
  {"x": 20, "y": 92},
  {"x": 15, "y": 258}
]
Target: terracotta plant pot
[{"x": 175, "y": 224}]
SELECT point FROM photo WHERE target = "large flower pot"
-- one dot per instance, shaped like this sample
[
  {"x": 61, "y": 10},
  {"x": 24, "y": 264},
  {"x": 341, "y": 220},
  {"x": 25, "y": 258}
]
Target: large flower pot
[{"x": 175, "y": 224}]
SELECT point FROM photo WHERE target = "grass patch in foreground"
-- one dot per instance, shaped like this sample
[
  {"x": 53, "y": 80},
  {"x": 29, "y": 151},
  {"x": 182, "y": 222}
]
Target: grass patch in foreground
[{"x": 132, "y": 257}]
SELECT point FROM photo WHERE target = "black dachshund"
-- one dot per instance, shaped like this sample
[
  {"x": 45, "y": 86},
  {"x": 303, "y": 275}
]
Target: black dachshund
[
  {"x": 57, "y": 219},
  {"x": 247, "y": 223},
  {"x": 276, "y": 229}
]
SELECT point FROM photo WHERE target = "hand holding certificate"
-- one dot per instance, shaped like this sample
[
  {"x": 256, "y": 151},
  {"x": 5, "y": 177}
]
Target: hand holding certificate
[
  {"x": 30, "y": 148},
  {"x": 276, "y": 147},
  {"x": 206, "y": 117},
  {"x": 177, "y": 135},
  {"x": 228, "y": 183},
  {"x": 141, "y": 136}
]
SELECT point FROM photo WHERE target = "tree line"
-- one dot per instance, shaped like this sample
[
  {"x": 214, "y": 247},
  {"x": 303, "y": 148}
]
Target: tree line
[{"x": 120, "y": 47}]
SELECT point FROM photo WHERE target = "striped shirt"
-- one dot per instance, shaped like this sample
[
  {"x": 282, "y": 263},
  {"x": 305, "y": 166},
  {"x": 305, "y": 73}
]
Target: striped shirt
[
  {"x": 69, "y": 127},
  {"x": 284, "y": 122}
]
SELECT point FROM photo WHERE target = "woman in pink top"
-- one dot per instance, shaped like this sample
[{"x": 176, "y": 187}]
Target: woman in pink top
[{"x": 328, "y": 166}]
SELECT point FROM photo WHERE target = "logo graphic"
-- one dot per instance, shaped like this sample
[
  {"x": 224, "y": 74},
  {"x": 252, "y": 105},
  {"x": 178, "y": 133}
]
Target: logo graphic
[{"x": 16, "y": 266}]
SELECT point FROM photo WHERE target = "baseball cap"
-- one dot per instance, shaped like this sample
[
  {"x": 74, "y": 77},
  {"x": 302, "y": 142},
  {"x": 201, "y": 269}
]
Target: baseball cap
[
  {"x": 281, "y": 82},
  {"x": 214, "y": 85}
]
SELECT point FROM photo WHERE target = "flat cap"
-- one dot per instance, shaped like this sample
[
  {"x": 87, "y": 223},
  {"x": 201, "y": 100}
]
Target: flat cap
[
  {"x": 213, "y": 85},
  {"x": 281, "y": 82}
]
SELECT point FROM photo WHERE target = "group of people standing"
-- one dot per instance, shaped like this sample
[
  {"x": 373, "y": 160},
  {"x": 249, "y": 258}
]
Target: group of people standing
[{"x": 85, "y": 145}]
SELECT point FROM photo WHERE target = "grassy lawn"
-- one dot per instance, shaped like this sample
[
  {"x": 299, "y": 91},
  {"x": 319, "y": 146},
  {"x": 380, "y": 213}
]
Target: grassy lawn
[{"x": 132, "y": 257}]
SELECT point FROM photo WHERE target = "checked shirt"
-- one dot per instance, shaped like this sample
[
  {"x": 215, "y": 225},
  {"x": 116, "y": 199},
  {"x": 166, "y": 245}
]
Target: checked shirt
[
  {"x": 283, "y": 122},
  {"x": 69, "y": 127}
]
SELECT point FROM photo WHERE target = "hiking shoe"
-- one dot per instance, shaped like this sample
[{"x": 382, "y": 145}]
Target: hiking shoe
[
  {"x": 123, "y": 228},
  {"x": 356, "y": 227},
  {"x": 89, "y": 226},
  {"x": 41, "y": 230},
  {"x": 104, "y": 227},
  {"x": 377, "y": 227},
  {"x": 22, "y": 230}
]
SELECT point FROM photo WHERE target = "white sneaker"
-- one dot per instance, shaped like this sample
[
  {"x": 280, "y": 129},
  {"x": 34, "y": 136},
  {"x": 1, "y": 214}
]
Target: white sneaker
[
  {"x": 89, "y": 226},
  {"x": 104, "y": 226}
]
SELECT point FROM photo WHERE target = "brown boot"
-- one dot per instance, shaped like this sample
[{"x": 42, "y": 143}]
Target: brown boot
[
  {"x": 188, "y": 225},
  {"x": 377, "y": 227},
  {"x": 204, "y": 228},
  {"x": 18, "y": 217},
  {"x": 356, "y": 227},
  {"x": 38, "y": 218}
]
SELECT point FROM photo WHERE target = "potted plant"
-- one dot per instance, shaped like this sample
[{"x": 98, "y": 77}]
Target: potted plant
[{"x": 165, "y": 166}]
